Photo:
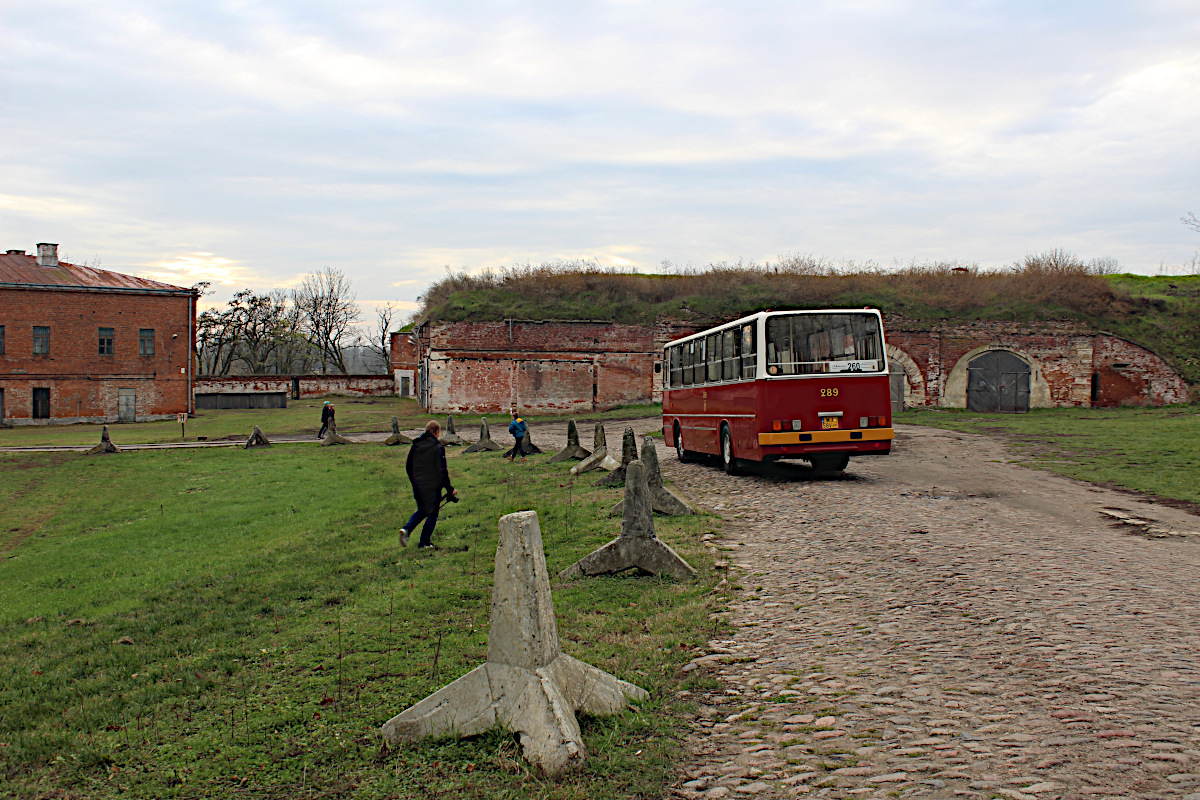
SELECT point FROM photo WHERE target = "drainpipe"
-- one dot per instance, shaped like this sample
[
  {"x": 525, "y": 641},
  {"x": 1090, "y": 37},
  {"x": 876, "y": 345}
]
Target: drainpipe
[{"x": 191, "y": 354}]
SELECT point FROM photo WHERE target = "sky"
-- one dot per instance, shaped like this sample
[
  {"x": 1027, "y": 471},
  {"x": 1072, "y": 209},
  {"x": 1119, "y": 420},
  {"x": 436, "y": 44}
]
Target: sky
[{"x": 248, "y": 143}]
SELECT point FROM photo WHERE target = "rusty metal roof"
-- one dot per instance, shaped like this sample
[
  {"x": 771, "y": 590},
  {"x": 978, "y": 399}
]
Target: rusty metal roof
[{"x": 19, "y": 269}]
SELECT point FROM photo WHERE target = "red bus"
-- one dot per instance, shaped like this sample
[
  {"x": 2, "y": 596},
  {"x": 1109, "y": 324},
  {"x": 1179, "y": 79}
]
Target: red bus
[{"x": 780, "y": 384}]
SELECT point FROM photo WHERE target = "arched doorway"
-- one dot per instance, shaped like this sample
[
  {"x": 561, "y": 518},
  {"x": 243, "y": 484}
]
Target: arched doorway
[{"x": 998, "y": 381}]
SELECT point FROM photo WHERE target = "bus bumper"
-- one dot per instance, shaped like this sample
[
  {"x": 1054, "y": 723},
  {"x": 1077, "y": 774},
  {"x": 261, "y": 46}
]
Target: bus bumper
[{"x": 867, "y": 441}]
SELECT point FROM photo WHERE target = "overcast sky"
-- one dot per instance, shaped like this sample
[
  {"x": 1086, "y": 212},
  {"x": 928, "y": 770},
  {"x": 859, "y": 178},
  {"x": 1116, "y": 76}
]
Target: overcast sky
[{"x": 247, "y": 143}]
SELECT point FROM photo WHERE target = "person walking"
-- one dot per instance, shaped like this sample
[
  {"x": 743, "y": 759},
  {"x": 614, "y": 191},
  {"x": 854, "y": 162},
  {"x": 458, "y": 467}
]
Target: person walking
[
  {"x": 429, "y": 475},
  {"x": 518, "y": 429},
  {"x": 327, "y": 419}
]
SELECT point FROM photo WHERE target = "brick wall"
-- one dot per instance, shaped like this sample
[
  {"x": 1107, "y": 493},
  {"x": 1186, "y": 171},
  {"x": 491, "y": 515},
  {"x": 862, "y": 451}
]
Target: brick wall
[
  {"x": 308, "y": 385},
  {"x": 1065, "y": 359},
  {"x": 540, "y": 366},
  {"x": 581, "y": 366},
  {"x": 1128, "y": 374},
  {"x": 85, "y": 386}
]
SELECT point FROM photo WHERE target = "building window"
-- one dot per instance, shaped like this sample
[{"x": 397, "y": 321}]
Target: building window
[
  {"x": 1, "y": 340},
  {"x": 106, "y": 341},
  {"x": 146, "y": 342},
  {"x": 41, "y": 340}
]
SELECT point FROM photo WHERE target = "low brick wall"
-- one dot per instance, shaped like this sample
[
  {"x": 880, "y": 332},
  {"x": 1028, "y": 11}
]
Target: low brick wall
[{"x": 299, "y": 386}]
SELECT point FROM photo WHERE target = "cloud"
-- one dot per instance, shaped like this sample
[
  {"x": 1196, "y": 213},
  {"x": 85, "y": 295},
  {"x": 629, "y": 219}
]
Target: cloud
[{"x": 395, "y": 139}]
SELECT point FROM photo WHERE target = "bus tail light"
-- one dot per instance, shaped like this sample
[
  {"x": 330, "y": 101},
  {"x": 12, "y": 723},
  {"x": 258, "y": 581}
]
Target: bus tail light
[
  {"x": 797, "y": 425},
  {"x": 777, "y": 425},
  {"x": 864, "y": 422}
]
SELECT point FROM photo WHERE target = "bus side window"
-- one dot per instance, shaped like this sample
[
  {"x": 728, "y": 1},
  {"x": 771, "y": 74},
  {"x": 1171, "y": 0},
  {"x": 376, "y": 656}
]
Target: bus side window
[
  {"x": 748, "y": 366},
  {"x": 714, "y": 357},
  {"x": 779, "y": 345},
  {"x": 676, "y": 368},
  {"x": 688, "y": 352},
  {"x": 731, "y": 367}
]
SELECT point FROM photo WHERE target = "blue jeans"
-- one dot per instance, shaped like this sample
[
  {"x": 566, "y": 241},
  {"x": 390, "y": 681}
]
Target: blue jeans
[{"x": 427, "y": 530}]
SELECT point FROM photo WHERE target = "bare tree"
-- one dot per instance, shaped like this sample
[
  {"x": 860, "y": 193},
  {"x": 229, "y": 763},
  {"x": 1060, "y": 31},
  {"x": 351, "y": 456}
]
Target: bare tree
[
  {"x": 380, "y": 337},
  {"x": 1191, "y": 221},
  {"x": 259, "y": 329},
  {"x": 1104, "y": 265},
  {"x": 294, "y": 353},
  {"x": 216, "y": 341},
  {"x": 328, "y": 313}
]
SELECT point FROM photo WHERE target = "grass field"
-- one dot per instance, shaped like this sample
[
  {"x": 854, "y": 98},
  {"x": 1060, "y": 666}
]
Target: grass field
[
  {"x": 354, "y": 415},
  {"x": 1154, "y": 450},
  {"x": 231, "y": 623}
]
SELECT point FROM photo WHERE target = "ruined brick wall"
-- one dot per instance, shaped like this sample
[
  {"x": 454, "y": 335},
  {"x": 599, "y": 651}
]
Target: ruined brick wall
[
  {"x": 299, "y": 386},
  {"x": 405, "y": 362},
  {"x": 85, "y": 386},
  {"x": 1130, "y": 375},
  {"x": 1069, "y": 364},
  {"x": 581, "y": 366},
  {"x": 541, "y": 366}
]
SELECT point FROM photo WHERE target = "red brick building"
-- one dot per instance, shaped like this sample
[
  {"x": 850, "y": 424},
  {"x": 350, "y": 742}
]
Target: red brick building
[
  {"x": 87, "y": 345},
  {"x": 405, "y": 362},
  {"x": 534, "y": 365}
]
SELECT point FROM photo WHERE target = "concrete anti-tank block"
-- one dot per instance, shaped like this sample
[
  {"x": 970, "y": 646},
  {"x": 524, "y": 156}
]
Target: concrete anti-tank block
[
  {"x": 531, "y": 449},
  {"x": 628, "y": 454},
  {"x": 449, "y": 435},
  {"x": 573, "y": 448},
  {"x": 637, "y": 546},
  {"x": 485, "y": 443},
  {"x": 332, "y": 437},
  {"x": 257, "y": 439},
  {"x": 599, "y": 459},
  {"x": 662, "y": 499},
  {"x": 528, "y": 685},
  {"x": 397, "y": 437},
  {"x": 105, "y": 446}
]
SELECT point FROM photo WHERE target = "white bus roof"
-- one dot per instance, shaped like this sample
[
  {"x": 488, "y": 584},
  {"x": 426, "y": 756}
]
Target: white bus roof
[{"x": 761, "y": 314}]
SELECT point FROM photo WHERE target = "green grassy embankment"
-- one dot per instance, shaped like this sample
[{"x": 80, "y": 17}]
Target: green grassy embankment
[
  {"x": 227, "y": 623},
  {"x": 1153, "y": 450},
  {"x": 1161, "y": 313}
]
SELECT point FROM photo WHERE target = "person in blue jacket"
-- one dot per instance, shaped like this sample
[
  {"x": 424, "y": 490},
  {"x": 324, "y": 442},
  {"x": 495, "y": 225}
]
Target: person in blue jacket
[{"x": 518, "y": 429}]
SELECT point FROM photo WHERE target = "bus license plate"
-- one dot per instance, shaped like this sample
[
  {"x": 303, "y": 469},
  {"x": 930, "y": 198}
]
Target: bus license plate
[{"x": 829, "y": 423}]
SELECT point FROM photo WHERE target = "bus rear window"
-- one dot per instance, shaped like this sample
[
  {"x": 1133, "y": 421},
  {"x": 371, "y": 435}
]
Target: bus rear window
[{"x": 805, "y": 344}]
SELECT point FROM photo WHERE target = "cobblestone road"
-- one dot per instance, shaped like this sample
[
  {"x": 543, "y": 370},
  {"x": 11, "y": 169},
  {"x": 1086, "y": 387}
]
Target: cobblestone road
[{"x": 943, "y": 624}]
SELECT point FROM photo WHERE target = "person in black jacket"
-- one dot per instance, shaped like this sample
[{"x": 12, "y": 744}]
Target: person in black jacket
[
  {"x": 327, "y": 417},
  {"x": 428, "y": 473}
]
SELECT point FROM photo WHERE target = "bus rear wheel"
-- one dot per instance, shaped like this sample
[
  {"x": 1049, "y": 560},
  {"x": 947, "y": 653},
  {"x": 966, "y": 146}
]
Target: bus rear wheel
[
  {"x": 683, "y": 455},
  {"x": 729, "y": 461},
  {"x": 831, "y": 463}
]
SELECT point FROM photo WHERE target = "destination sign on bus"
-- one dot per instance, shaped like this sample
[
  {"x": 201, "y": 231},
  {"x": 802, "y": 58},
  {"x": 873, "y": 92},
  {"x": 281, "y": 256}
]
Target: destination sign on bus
[{"x": 853, "y": 366}]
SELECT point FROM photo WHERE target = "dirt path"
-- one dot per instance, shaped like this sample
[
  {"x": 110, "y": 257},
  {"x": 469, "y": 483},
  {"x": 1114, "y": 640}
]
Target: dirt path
[{"x": 940, "y": 623}]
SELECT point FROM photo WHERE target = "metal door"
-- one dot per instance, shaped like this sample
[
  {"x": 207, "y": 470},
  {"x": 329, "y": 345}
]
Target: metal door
[
  {"x": 998, "y": 381},
  {"x": 126, "y": 405},
  {"x": 898, "y": 383},
  {"x": 41, "y": 404}
]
